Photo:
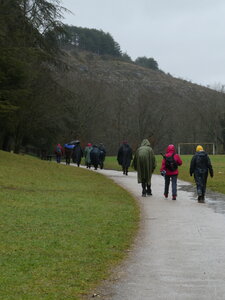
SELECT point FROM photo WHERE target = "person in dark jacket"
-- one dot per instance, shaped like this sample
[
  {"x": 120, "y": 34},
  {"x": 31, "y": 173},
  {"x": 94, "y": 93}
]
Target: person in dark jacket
[
  {"x": 94, "y": 156},
  {"x": 68, "y": 152},
  {"x": 124, "y": 157},
  {"x": 101, "y": 147},
  {"x": 144, "y": 163},
  {"x": 170, "y": 170},
  {"x": 77, "y": 153},
  {"x": 200, "y": 166}
]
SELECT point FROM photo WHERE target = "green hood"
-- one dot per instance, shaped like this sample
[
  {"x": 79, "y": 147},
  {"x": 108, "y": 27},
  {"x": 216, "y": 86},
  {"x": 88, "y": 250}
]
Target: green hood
[{"x": 145, "y": 142}]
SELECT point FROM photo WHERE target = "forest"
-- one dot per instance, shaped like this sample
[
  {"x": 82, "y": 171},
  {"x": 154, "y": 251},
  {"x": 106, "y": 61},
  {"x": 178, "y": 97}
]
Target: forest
[{"x": 59, "y": 83}]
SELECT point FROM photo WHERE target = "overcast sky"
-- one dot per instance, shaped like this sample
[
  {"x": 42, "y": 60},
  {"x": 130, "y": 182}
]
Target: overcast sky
[{"x": 185, "y": 37}]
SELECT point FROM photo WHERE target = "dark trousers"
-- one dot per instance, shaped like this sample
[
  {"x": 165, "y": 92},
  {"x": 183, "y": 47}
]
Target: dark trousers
[
  {"x": 167, "y": 184},
  {"x": 125, "y": 170},
  {"x": 58, "y": 158},
  {"x": 146, "y": 188},
  {"x": 67, "y": 160},
  {"x": 201, "y": 180}
]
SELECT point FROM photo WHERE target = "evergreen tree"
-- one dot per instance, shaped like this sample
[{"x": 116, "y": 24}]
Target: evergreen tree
[
  {"x": 147, "y": 62},
  {"x": 92, "y": 40}
]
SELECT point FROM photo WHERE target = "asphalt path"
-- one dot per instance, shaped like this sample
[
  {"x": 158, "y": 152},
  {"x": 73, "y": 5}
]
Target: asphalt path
[{"x": 179, "y": 252}]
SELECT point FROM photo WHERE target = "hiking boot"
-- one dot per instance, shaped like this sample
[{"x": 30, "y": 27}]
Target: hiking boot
[
  {"x": 174, "y": 198},
  {"x": 166, "y": 195},
  {"x": 200, "y": 199},
  {"x": 149, "y": 192},
  {"x": 144, "y": 191}
]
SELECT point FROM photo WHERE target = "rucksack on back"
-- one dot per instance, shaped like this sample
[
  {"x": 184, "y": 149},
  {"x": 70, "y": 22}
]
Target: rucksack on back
[
  {"x": 58, "y": 150},
  {"x": 171, "y": 164}
]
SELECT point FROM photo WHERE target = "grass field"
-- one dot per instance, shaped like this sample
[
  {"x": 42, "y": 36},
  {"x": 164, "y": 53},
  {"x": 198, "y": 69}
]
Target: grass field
[
  {"x": 62, "y": 228},
  {"x": 217, "y": 183}
]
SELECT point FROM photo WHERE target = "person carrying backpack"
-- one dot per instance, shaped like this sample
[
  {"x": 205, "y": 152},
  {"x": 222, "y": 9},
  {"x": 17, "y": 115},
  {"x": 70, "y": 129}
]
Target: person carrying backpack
[
  {"x": 169, "y": 169},
  {"x": 200, "y": 165},
  {"x": 58, "y": 153}
]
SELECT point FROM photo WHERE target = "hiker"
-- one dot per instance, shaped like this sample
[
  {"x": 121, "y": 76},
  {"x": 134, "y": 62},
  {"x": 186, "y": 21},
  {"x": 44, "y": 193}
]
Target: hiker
[
  {"x": 101, "y": 147},
  {"x": 144, "y": 163},
  {"x": 169, "y": 169},
  {"x": 200, "y": 166},
  {"x": 87, "y": 151},
  {"x": 68, "y": 152},
  {"x": 124, "y": 157},
  {"x": 77, "y": 153},
  {"x": 59, "y": 153},
  {"x": 94, "y": 156}
]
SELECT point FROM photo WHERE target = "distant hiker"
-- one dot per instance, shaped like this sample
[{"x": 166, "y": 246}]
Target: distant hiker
[
  {"x": 169, "y": 170},
  {"x": 87, "y": 151},
  {"x": 200, "y": 165},
  {"x": 101, "y": 147},
  {"x": 124, "y": 157},
  {"x": 77, "y": 153},
  {"x": 68, "y": 152},
  {"x": 58, "y": 153},
  {"x": 94, "y": 156},
  {"x": 144, "y": 163}
]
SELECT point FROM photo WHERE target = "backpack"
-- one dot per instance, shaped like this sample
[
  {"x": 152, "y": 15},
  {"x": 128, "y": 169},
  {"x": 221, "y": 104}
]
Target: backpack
[
  {"x": 171, "y": 164},
  {"x": 58, "y": 150}
]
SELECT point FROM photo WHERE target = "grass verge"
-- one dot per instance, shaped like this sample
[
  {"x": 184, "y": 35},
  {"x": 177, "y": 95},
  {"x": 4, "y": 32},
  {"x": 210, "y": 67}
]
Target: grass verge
[{"x": 62, "y": 228}]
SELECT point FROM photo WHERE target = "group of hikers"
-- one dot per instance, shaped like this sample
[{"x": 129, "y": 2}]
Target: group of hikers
[
  {"x": 144, "y": 163},
  {"x": 93, "y": 154}
]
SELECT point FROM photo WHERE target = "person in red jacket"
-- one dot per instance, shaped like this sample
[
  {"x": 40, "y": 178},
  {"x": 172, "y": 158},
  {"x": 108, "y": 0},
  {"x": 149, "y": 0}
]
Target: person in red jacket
[{"x": 169, "y": 170}]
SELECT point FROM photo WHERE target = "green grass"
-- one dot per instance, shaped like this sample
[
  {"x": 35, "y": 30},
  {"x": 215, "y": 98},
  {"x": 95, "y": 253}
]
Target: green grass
[
  {"x": 62, "y": 228},
  {"x": 215, "y": 184}
]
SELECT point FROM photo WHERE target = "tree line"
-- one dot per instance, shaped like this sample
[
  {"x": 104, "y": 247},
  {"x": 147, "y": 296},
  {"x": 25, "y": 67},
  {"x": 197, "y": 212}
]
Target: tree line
[
  {"x": 60, "y": 82},
  {"x": 99, "y": 42}
]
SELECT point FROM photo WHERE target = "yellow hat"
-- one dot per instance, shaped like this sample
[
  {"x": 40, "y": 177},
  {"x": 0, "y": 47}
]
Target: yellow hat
[{"x": 199, "y": 148}]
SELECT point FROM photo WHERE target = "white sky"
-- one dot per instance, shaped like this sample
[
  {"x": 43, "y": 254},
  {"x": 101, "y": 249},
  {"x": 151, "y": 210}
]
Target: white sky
[{"x": 185, "y": 37}]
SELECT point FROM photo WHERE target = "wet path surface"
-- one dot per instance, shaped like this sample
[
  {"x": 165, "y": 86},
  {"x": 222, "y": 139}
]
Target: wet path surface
[
  {"x": 179, "y": 252},
  {"x": 214, "y": 200}
]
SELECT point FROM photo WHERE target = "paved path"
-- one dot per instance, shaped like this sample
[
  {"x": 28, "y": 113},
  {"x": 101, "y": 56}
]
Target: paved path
[{"x": 179, "y": 252}]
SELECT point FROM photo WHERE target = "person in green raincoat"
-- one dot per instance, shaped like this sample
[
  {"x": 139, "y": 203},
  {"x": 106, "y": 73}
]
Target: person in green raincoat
[
  {"x": 87, "y": 152},
  {"x": 144, "y": 163}
]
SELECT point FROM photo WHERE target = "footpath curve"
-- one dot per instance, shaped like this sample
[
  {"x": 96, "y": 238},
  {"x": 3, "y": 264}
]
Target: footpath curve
[{"x": 179, "y": 252}]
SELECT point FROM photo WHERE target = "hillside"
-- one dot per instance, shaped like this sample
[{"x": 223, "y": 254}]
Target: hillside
[{"x": 116, "y": 100}]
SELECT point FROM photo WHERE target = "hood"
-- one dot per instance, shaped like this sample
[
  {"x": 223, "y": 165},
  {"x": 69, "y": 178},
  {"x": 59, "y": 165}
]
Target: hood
[
  {"x": 201, "y": 153},
  {"x": 199, "y": 148},
  {"x": 145, "y": 142},
  {"x": 170, "y": 149}
]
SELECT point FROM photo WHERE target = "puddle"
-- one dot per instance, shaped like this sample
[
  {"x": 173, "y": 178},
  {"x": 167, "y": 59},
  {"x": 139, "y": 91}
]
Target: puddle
[{"x": 214, "y": 200}]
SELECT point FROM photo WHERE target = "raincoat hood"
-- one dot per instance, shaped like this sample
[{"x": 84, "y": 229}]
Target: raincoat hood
[
  {"x": 145, "y": 142},
  {"x": 170, "y": 149},
  {"x": 199, "y": 148}
]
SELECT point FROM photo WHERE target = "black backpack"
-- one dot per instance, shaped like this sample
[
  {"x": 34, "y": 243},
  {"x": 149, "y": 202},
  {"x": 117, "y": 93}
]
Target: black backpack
[{"x": 171, "y": 164}]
